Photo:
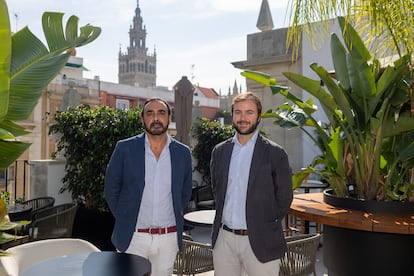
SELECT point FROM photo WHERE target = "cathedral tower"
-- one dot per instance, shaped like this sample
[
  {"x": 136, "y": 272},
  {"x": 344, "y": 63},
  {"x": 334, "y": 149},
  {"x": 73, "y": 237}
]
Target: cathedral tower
[{"x": 137, "y": 67}]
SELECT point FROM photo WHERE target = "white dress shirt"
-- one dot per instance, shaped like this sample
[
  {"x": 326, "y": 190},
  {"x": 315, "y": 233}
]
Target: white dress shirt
[{"x": 156, "y": 208}]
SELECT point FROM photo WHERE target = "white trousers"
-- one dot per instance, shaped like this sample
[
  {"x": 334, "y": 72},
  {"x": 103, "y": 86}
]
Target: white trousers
[
  {"x": 160, "y": 250},
  {"x": 233, "y": 256}
]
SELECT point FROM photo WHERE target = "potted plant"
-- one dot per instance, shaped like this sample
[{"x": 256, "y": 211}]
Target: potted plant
[
  {"x": 87, "y": 137},
  {"x": 366, "y": 145}
]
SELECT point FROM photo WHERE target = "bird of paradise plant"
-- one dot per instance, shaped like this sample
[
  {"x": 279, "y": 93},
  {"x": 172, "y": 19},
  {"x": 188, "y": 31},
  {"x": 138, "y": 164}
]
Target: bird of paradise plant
[{"x": 368, "y": 142}]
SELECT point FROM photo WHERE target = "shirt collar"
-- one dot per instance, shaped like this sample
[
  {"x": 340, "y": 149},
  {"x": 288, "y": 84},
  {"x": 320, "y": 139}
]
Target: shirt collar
[{"x": 251, "y": 140}]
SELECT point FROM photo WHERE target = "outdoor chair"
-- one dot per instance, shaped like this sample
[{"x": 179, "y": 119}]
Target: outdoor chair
[
  {"x": 53, "y": 222},
  {"x": 194, "y": 258},
  {"x": 23, "y": 256},
  {"x": 299, "y": 260},
  {"x": 40, "y": 203},
  {"x": 204, "y": 198}
]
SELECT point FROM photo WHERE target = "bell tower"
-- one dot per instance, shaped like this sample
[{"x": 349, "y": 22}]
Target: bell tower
[{"x": 137, "y": 67}]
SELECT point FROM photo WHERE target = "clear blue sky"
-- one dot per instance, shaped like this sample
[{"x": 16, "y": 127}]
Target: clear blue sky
[{"x": 209, "y": 34}]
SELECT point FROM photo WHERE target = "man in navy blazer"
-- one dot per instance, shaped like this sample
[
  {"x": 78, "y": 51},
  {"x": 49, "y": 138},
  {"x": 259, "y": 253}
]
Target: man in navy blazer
[
  {"x": 252, "y": 184},
  {"x": 148, "y": 183}
]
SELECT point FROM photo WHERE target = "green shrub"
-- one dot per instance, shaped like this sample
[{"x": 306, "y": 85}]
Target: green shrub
[
  {"x": 87, "y": 137},
  {"x": 208, "y": 134}
]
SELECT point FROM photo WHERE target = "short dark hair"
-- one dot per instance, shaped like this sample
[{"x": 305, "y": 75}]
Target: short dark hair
[
  {"x": 156, "y": 99},
  {"x": 247, "y": 96}
]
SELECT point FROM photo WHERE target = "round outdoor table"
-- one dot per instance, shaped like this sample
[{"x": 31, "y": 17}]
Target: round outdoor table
[
  {"x": 105, "y": 263},
  {"x": 204, "y": 218},
  {"x": 313, "y": 184},
  {"x": 18, "y": 211}
]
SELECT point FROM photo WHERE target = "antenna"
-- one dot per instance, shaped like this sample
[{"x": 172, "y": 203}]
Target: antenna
[
  {"x": 16, "y": 17},
  {"x": 192, "y": 73}
]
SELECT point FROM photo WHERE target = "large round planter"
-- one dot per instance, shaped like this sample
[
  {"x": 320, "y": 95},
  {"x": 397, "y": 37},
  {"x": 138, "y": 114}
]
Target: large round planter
[
  {"x": 94, "y": 226},
  {"x": 356, "y": 252},
  {"x": 349, "y": 252},
  {"x": 371, "y": 206}
]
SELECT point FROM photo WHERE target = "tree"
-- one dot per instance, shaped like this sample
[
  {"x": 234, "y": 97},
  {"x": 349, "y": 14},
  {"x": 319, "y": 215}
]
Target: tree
[
  {"x": 87, "y": 138},
  {"x": 26, "y": 68},
  {"x": 208, "y": 134},
  {"x": 387, "y": 24}
]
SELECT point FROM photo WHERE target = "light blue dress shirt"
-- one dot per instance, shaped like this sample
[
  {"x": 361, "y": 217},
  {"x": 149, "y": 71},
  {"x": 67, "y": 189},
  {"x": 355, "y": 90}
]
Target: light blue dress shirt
[{"x": 234, "y": 212}]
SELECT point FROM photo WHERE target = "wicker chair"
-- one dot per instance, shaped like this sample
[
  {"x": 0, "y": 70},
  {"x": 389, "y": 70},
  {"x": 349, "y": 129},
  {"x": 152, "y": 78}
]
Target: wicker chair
[
  {"x": 40, "y": 203},
  {"x": 299, "y": 260},
  {"x": 194, "y": 258},
  {"x": 53, "y": 222}
]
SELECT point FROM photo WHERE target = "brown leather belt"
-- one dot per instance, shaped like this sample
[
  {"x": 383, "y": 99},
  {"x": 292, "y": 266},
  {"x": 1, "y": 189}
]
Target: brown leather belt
[
  {"x": 241, "y": 232},
  {"x": 159, "y": 230}
]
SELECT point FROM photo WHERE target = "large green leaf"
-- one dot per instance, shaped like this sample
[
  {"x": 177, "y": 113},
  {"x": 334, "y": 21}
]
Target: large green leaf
[
  {"x": 338, "y": 54},
  {"x": 26, "y": 68},
  {"x": 10, "y": 151},
  {"x": 5, "y": 57}
]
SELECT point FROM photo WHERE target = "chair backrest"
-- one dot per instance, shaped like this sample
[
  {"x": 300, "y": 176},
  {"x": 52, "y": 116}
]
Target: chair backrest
[
  {"x": 23, "y": 256},
  {"x": 194, "y": 258},
  {"x": 40, "y": 203},
  {"x": 53, "y": 222},
  {"x": 300, "y": 256}
]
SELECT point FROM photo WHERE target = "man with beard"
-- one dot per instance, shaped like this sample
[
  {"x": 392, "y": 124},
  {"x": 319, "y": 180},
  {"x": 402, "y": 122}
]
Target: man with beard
[
  {"x": 252, "y": 184},
  {"x": 147, "y": 186}
]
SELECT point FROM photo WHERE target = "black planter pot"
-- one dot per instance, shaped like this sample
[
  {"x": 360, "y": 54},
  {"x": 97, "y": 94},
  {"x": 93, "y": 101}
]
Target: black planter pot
[
  {"x": 371, "y": 206},
  {"x": 355, "y": 252},
  {"x": 94, "y": 226},
  {"x": 348, "y": 252}
]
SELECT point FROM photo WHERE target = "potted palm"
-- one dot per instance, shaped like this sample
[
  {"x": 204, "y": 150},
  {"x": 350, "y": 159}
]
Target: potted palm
[{"x": 366, "y": 144}]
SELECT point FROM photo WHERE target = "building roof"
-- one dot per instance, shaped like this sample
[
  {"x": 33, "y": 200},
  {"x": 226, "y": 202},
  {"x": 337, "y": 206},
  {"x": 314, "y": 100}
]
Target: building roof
[{"x": 208, "y": 92}]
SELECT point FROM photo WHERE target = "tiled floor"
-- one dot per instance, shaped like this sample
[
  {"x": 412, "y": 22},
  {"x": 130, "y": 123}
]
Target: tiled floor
[{"x": 203, "y": 234}]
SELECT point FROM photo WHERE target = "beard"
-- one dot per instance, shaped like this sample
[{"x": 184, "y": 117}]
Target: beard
[
  {"x": 156, "y": 131},
  {"x": 248, "y": 131}
]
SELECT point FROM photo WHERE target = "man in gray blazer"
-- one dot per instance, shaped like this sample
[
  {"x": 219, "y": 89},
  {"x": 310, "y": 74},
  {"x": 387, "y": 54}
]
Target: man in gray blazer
[
  {"x": 147, "y": 186},
  {"x": 252, "y": 184}
]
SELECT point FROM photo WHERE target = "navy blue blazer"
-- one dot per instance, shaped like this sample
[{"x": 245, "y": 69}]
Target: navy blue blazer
[
  {"x": 269, "y": 195},
  {"x": 125, "y": 181}
]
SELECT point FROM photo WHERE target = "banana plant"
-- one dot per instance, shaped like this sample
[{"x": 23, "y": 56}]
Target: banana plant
[
  {"x": 367, "y": 142},
  {"x": 26, "y": 68}
]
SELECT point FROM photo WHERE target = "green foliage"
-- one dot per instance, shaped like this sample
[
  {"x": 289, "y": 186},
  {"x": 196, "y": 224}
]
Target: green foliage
[
  {"x": 26, "y": 68},
  {"x": 208, "y": 134},
  {"x": 368, "y": 141},
  {"x": 87, "y": 138}
]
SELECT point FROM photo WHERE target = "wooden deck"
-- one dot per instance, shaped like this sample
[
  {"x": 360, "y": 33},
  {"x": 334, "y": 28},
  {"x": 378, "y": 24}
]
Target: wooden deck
[{"x": 310, "y": 207}]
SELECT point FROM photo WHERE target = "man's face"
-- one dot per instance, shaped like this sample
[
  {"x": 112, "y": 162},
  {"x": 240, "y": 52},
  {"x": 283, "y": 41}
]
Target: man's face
[
  {"x": 156, "y": 118},
  {"x": 245, "y": 117}
]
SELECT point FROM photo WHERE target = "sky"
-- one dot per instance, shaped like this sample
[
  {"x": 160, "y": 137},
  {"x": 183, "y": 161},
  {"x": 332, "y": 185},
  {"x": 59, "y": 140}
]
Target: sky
[{"x": 194, "y": 38}]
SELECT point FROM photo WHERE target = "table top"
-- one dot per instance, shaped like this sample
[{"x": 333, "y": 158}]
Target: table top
[
  {"x": 18, "y": 208},
  {"x": 200, "y": 218},
  {"x": 18, "y": 211},
  {"x": 314, "y": 184},
  {"x": 311, "y": 207},
  {"x": 105, "y": 263}
]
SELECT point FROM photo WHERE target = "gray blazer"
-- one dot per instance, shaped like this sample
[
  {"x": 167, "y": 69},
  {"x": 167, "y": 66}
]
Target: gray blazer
[
  {"x": 125, "y": 181},
  {"x": 269, "y": 195}
]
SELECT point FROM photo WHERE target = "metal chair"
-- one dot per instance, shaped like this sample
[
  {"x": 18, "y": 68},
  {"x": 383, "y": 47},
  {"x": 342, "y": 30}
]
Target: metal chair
[
  {"x": 299, "y": 260},
  {"x": 53, "y": 222},
  {"x": 194, "y": 258}
]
